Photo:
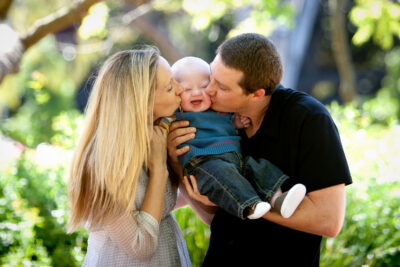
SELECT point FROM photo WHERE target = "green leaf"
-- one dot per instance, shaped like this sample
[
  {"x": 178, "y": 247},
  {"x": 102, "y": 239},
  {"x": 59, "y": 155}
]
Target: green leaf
[{"x": 363, "y": 34}]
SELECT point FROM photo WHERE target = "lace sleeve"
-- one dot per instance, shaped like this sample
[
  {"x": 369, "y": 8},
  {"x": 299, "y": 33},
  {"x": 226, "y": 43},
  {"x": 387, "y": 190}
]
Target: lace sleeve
[{"x": 136, "y": 234}]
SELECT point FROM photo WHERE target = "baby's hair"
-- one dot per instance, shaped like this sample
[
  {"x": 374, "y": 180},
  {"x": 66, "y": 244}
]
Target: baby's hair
[{"x": 182, "y": 64}]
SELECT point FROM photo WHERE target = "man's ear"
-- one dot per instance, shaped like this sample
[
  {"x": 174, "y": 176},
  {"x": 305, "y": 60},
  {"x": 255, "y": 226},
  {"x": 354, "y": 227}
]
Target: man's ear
[{"x": 258, "y": 95}]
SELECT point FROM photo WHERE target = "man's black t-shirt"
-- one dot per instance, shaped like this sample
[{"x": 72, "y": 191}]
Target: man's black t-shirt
[{"x": 299, "y": 136}]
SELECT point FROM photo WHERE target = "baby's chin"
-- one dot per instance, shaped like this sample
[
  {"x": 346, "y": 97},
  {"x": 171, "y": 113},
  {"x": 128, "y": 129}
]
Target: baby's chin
[{"x": 191, "y": 108}]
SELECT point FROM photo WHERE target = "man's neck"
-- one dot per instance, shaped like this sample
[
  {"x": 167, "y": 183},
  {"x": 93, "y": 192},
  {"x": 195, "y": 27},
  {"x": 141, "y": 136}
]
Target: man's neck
[{"x": 256, "y": 113}]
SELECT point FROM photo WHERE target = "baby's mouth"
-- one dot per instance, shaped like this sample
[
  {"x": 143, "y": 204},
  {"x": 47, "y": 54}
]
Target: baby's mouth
[{"x": 196, "y": 102}]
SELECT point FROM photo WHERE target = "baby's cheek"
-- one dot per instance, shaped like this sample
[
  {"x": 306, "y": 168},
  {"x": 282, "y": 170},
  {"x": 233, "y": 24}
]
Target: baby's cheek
[{"x": 185, "y": 103}]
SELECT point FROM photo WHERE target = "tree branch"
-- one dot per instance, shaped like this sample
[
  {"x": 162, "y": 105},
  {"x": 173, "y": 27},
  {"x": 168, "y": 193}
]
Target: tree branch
[
  {"x": 341, "y": 50},
  {"x": 57, "y": 21},
  {"x": 11, "y": 53},
  {"x": 4, "y": 7},
  {"x": 149, "y": 31}
]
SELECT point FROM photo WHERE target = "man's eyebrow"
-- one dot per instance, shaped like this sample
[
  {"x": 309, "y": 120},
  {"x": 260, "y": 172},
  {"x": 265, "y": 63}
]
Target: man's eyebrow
[{"x": 219, "y": 83}]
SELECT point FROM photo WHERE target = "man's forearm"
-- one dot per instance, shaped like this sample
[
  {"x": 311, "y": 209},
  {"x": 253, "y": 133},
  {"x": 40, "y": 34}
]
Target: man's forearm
[{"x": 321, "y": 212}]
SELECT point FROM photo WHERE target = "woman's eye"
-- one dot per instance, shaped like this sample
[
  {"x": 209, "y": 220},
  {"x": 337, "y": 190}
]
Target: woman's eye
[{"x": 170, "y": 88}]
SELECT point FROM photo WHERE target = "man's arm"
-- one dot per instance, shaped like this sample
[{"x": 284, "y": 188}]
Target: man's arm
[{"x": 321, "y": 212}]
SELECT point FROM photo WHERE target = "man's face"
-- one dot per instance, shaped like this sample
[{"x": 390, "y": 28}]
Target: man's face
[{"x": 226, "y": 93}]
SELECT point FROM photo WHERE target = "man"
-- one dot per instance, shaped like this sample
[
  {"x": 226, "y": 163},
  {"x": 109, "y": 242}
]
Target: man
[{"x": 293, "y": 131}]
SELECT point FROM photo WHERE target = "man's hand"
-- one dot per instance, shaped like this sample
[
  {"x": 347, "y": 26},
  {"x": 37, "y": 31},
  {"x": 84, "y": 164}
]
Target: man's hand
[
  {"x": 194, "y": 193},
  {"x": 179, "y": 133}
]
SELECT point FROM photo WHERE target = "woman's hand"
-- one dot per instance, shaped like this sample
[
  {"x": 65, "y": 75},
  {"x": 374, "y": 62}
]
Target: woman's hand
[
  {"x": 157, "y": 160},
  {"x": 179, "y": 133},
  {"x": 194, "y": 193}
]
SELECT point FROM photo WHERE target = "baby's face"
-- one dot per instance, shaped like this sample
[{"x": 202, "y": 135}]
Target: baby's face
[{"x": 194, "y": 97}]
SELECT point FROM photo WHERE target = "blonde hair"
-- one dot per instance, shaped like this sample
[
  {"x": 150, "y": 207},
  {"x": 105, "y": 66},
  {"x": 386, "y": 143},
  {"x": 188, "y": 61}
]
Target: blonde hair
[{"x": 115, "y": 142}]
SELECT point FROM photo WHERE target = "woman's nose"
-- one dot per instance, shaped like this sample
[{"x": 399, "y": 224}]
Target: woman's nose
[{"x": 178, "y": 88}]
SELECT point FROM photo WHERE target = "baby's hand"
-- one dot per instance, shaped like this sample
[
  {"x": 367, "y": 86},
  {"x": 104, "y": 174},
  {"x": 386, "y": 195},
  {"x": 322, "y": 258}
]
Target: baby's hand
[{"x": 241, "y": 122}]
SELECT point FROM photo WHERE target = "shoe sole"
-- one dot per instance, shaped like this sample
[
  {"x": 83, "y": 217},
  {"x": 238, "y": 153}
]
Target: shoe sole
[{"x": 294, "y": 197}]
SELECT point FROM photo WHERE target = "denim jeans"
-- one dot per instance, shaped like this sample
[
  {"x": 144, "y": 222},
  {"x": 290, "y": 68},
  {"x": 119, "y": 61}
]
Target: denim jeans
[{"x": 233, "y": 183}]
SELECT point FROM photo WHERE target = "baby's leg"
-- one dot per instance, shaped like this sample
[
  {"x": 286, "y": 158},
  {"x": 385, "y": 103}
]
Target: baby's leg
[{"x": 219, "y": 178}]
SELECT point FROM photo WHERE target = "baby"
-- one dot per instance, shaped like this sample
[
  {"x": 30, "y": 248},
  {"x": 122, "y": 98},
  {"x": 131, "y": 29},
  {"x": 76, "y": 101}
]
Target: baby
[{"x": 245, "y": 188}]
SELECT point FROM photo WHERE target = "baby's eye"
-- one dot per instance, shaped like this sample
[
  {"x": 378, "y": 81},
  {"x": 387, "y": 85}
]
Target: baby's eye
[
  {"x": 205, "y": 84},
  {"x": 188, "y": 89}
]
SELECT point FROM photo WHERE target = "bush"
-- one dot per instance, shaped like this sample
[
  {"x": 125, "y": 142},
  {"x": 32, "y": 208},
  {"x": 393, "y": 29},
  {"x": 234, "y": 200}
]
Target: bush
[
  {"x": 33, "y": 205},
  {"x": 370, "y": 235}
]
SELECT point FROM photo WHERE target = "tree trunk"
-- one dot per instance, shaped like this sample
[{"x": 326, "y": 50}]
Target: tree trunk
[
  {"x": 341, "y": 50},
  {"x": 4, "y": 6}
]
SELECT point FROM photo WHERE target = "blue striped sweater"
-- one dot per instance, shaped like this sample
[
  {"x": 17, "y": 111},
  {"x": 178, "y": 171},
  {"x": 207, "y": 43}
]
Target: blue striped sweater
[{"x": 215, "y": 134}]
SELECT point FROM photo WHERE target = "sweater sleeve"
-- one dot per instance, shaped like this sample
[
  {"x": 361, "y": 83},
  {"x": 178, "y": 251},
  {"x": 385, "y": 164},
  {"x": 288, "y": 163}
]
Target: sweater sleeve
[{"x": 136, "y": 233}]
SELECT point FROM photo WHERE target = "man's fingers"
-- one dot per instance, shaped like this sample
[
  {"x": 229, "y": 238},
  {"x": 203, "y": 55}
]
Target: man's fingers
[
  {"x": 182, "y": 150},
  {"x": 194, "y": 184},
  {"x": 178, "y": 132},
  {"x": 188, "y": 187},
  {"x": 178, "y": 124},
  {"x": 182, "y": 139}
]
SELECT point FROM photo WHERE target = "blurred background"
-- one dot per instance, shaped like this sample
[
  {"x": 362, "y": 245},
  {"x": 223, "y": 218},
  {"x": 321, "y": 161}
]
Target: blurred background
[{"x": 345, "y": 53}]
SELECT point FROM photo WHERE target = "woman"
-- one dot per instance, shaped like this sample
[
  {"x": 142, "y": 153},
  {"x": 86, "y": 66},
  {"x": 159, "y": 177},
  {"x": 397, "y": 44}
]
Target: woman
[{"x": 119, "y": 187}]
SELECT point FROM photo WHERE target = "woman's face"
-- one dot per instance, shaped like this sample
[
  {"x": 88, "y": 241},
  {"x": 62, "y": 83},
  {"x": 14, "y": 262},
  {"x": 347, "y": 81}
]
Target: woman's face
[{"x": 167, "y": 98}]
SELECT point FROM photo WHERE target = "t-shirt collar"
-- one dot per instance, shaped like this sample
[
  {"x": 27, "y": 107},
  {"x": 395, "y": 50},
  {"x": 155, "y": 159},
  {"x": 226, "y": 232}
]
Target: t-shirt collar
[{"x": 270, "y": 124}]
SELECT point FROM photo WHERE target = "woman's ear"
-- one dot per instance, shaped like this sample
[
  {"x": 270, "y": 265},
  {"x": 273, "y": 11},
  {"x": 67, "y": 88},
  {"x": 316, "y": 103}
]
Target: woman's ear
[{"x": 258, "y": 95}]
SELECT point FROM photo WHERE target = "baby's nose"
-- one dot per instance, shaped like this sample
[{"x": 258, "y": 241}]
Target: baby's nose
[{"x": 197, "y": 91}]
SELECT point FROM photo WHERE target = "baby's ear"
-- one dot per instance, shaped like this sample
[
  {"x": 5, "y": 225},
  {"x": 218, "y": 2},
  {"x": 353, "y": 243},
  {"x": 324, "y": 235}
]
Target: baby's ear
[{"x": 258, "y": 94}]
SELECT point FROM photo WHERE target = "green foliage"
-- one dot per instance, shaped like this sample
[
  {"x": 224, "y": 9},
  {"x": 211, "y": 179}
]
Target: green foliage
[
  {"x": 263, "y": 16},
  {"x": 195, "y": 232},
  {"x": 33, "y": 203},
  {"x": 94, "y": 24},
  {"x": 376, "y": 19},
  {"x": 370, "y": 235}
]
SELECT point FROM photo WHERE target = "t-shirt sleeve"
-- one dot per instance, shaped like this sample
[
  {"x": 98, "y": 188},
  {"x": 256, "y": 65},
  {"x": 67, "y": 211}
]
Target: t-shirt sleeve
[{"x": 321, "y": 157}]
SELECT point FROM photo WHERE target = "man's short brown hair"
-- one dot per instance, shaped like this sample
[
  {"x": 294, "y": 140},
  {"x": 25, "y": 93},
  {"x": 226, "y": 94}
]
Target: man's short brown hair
[{"x": 256, "y": 57}]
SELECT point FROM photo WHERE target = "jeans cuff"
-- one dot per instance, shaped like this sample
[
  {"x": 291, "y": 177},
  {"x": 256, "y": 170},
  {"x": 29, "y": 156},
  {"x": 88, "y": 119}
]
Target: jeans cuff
[
  {"x": 268, "y": 194},
  {"x": 247, "y": 203}
]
